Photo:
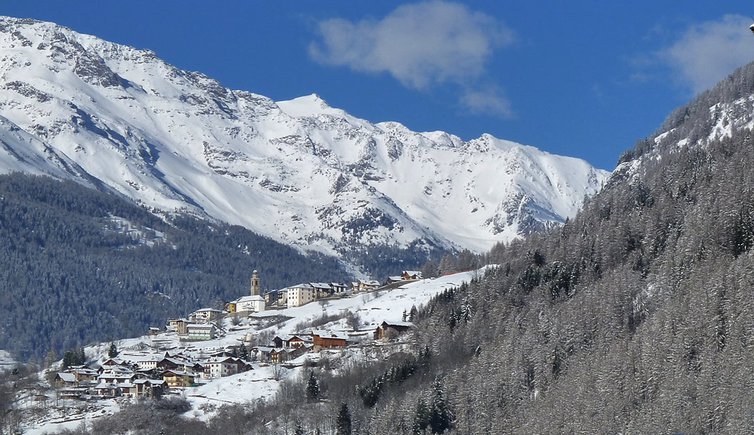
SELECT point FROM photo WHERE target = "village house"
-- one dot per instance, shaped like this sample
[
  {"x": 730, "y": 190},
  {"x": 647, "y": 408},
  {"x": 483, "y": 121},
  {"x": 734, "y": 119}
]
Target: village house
[
  {"x": 149, "y": 363},
  {"x": 280, "y": 341},
  {"x": 365, "y": 285},
  {"x": 388, "y": 330},
  {"x": 297, "y": 341},
  {"x": 115, "y": 380},
  {"x": 271, "y": 297},
  {"x": 338, "y": 288},
  {"x": 177, "y": 362},
  {"x": 104, "y": 389},
  {"x": 321, "y": 289},
  {"x": 276, "y": 356},
  {"x": 261, "y": 353},
  {"x": 276, "y": 297},
  {"x": 201, "y": 331},
  {"x": 83, "y": 374},
  {"x": 410, "y": 275},
  {"x": 218, "y": 367},
  {"x": 150, "y": 388},
  {"x": 178, "y": 325},
  {"x": 179, "y": 378},
  {"x": 65, "y": 380},
  {"x": 230, "y": 307},
  {"x": 291, "y": 341},
  {"x": 116, "y": 376},
  {"x": 299, "y": 295},
  {"x": 328, "y": 340},
  {"x": 279, "y": 356},
  {"x": 206, "y": 315},
  {"x": 283, "y": 297}
]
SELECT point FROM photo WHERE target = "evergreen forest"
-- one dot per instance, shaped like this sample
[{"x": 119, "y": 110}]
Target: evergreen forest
[{"x": 79, "y": 265}]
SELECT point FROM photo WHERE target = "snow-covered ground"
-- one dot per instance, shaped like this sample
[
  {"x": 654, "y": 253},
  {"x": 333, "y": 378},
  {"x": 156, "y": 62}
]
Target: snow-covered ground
[{"x": 264, "y": 380}]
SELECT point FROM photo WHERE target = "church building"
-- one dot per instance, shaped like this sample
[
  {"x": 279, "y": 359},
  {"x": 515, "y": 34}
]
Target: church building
[{"x": 253, "y": 303}]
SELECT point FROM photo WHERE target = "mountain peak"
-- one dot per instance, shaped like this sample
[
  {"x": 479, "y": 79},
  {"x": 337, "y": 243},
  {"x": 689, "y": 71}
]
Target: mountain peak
[
  {"x": 311, "y": 105},
  {"x": 299, "y": 171}
]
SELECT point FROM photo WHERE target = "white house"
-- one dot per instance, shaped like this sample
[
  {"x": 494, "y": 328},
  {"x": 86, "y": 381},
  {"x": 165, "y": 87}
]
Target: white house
[
  {"x": 201, "y": 331},
  {"x": 301, "y": 294},
  {"x": 206, "y": 315},
  {"x": 218, "y": 367}
]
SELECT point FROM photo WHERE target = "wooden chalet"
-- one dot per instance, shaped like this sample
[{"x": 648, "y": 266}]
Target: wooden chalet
[
  {"x": 391, "y": 329},
  {"x": 179, "y": 378},
  {"x": 328, "y": 340}
]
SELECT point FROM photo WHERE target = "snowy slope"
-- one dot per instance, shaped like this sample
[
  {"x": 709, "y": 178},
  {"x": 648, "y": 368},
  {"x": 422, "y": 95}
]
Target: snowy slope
[{"x": 299, "y": 171}]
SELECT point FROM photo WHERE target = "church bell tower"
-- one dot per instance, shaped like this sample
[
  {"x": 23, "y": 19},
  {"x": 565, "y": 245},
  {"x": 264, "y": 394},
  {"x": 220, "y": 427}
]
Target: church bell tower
[{"x": 255, "y": 283}]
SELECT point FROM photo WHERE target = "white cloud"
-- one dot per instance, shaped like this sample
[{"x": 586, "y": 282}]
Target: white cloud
[
  {"x": 707, "y": 52},
  {"x": 421, "y": 45},
  {"x": 487, "y": 101}
]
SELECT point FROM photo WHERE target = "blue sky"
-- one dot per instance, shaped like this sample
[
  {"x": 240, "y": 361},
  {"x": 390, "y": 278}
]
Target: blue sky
[{"x": 580, "y": 78}]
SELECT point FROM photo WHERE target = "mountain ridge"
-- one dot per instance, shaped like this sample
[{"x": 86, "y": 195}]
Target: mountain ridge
[{"x": 298, "y": 171}]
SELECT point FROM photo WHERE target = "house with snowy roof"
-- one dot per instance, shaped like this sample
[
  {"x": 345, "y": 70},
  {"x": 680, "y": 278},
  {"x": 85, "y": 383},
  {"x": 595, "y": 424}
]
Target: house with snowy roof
[
  {"x": 388, "y": 330},
  {"x": 218, "y": 367},
  {"x": 300, "y": 294},
  {"x": 279, "y": 356},
  {"x": 410, "y": 275},
  {"x": 179, "y": 378},
  {"x": 83, "y": 374},
  {"x": 201, "y": 331},
  {"x": 150, "y": 388},
  {"x": 321, "y": 289},
  {"x": 65, "y": 380},
  {"x": 328, "y": 339},
  {"x": 299, "y": 340},
  {"x": 338, "y": 288},
  {"x": 178, "y": 325},
  {"x": 367, "y": 285},
  {"x": 206, "y": 315}
]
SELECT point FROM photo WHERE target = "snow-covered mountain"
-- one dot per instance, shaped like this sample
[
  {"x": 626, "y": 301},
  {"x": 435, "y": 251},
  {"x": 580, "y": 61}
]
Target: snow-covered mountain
[
  {"x": 299, "y": 171},
  {"x": 718, "y": 114}
]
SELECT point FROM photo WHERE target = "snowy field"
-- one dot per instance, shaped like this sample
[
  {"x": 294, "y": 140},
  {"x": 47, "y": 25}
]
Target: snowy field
[{"x": 264, "y": 380}]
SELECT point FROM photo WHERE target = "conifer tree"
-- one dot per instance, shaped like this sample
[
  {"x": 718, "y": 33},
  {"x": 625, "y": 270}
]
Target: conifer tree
[
  {"x": 440, "y": 418},
  {"x": 312, "y": 388},
  {"x": 343, "y": 421},
  {"x": 421, "y": 417},
  {"x": 113, "y": 352}
]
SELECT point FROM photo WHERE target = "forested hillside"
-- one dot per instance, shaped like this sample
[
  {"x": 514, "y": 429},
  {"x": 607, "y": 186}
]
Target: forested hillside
[
  {"x": 79, "y": 265},
  {"x": 637, "y": 316}
]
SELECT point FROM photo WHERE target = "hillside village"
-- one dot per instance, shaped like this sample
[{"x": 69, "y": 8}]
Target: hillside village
[{"x": 269, "y": 337}]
